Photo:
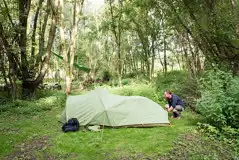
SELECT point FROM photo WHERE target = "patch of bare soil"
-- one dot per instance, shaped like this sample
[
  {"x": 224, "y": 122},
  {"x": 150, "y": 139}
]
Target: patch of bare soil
[{"x": 34, "y": 149}]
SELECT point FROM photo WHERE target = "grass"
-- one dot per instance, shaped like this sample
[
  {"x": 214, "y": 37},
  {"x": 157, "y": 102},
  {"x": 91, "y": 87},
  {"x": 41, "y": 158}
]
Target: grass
[
  {"x": 26, "y": 125},
  {"x": 123, "y": 142},
  {"x": 30, "y": 130}
]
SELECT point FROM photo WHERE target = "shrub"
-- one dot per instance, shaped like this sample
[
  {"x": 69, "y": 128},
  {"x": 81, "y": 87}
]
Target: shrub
[
  {"x": 114, "y": 83},
  {"x": 125, "y": 81},
  {"x": 219, "y": 102},
  {"x": 131, "y": 75},
  {"x": 33, "y": 107},
  {"x": 171, "y": 80},
  {"x": 227, "y": 135},
  {"x": 140, "y": 90},
  {"x": 106, "y": 76}
]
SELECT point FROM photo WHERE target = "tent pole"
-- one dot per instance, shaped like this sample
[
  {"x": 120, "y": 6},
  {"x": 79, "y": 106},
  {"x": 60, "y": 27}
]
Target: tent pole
[{"x": 102, "y": 132}]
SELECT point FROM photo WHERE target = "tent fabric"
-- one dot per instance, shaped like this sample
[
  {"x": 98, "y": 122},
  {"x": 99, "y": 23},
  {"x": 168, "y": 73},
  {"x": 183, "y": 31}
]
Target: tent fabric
[{"x": 99, "y": 107}]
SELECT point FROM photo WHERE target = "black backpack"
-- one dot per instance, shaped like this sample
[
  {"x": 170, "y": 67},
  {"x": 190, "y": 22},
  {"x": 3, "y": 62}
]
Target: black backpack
[{"x": 71, "y": 125}]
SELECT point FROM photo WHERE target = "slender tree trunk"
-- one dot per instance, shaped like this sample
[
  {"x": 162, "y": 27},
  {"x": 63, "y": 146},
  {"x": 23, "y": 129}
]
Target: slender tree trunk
[
  {"x": 12, "y": 78},
  {"x": 12, "y": 65},
  {"x": 164, "y": 49},
  {"x": 142, "y": 65},
  {"x": 69, "y": 73},
  {"x": 42, "y": 35},
  {"x": 198, "y": 62},
  {"x": 192, "y": 59},
  {"x": 165, "y": 58},
  {"x": 178, "y": 60},
  {"x": 34, "y": 35},
  {"x": 2, "y": 67},
  {"x": 153, "y": 59},
  {"x": 135, "y": 64},
  {"x": 148, "y": 65},
  {"x": 63, "y": 46},
  {"x": 161, "y": 60},
  {"x": 188, "y": 62},
  {"x": 234, "y": 4}
]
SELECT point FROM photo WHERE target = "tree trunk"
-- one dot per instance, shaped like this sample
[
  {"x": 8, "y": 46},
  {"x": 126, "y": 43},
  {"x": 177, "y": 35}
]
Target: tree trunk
[
  {"x": 2, "y": 67},
  {"x": 153, "y": 59},
  {"x": 148, "y": 66},
  {"x": 12, "y": 79},
  {"x": 24, "y": 8},
  {"x": 12, "y": 69},
  {"x": 29, "y": 86},
  {"x": 191, "y": 60},
  {"x": 42, "y": 36},
  {"x": 63, "y": 46},
  {"x": 161, "y": 62},
  {"x": 69, "y": 73},
  {"x": 33, "y": 38},
  {"x": 142, "y": 66},
  {"x": 116, "y": 29},
  {"x": 164, "y": 49}
]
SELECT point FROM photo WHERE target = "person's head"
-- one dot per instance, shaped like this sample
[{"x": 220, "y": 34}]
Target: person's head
[{"x": 167, "y": 94}]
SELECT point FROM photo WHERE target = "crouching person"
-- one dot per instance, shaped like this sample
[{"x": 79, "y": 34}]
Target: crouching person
[{"x": 175, "y": 104}]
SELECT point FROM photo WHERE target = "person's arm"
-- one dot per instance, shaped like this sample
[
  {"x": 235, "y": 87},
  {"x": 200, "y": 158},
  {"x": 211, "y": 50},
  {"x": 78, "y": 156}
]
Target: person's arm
[
  {"x": 169, "y": 103},
  {"x": 170, "y": 108},
  {"x": 174, "y": 102}
]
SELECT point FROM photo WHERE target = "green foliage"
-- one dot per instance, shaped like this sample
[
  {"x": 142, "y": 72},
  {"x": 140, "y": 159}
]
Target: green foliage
[
  {"x": 171, "y": 80},
  {"x": 219, "y": 102},
  {"x": 76, "y": 65},
  {"x": 211, "y": 24},
  {"x": 4, "y": 97},
  {"x": 106, "y": 76},
  {"x": 125, "y": 81},
  {"x": 114, "y": 83},
  {"x": 226, "y": 135},
  {"x": 34, "y": 107},
  {"x": 197, "y": 146},
  {"x": 144, "y": 90},
  {"x": 180, "y": 83},
  {"x": 131, "y": 75}
]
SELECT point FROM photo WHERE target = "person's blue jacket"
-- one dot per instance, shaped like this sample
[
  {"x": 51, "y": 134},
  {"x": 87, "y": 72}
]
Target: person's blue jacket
[{"x": 175, "y": 100}]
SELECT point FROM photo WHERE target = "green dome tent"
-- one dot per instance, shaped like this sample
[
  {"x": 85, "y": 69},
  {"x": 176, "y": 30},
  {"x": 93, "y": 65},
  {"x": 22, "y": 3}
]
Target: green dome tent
[{"x": 99, "y": 107}]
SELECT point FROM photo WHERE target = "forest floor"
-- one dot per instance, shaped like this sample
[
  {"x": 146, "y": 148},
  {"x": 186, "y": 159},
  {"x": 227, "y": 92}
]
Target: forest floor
[{"x": 30, "y": 130}]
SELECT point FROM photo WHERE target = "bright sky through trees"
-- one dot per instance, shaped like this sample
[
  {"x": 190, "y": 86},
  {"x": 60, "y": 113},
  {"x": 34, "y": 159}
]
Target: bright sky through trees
[{"x": 93, "y": 5}]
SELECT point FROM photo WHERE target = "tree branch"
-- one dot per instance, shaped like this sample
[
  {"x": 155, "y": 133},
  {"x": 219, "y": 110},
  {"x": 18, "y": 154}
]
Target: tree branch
[
  {"x": 42, "y": 35},
  {"x": 51, "y": 38},
  {"x": 8, "y": 14},
  {"x": 34, "y": 32}
]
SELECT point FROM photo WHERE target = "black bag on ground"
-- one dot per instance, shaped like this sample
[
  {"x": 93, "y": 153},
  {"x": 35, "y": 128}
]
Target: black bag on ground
[{"x": 71, "y": 125}]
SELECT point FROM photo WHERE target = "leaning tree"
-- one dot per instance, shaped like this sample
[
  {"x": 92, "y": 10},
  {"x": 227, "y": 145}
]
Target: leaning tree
[{"x": 27, "y": 32}]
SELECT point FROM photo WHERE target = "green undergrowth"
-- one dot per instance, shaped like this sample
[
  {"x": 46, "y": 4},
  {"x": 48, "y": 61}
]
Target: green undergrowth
[
  {"x": 32, "y": 107},
  {"x": 197, "y": 146}
]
